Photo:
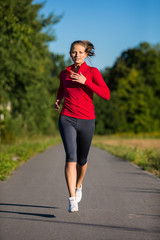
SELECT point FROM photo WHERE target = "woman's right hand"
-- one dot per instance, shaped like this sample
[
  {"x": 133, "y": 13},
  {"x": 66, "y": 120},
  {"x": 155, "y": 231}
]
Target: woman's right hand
[{"x": 57, "y": 105}]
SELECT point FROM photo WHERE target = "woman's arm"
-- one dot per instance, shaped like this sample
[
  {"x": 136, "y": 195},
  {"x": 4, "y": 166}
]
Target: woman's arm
[
  {"x": 95, "y": 83},
  {"x": 98, "y": 85},
  {"x": 60, "y": 93}
]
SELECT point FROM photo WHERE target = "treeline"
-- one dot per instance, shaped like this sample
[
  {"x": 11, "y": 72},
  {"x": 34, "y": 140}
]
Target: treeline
[
  {"x": 134, "y": 81},
  {"x": 29, "y": 73},
  {"x": 29, "y": 76}
]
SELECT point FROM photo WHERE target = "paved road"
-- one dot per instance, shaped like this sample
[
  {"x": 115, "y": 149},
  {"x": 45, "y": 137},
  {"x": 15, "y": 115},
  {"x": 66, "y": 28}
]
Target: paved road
[{"x": 120, "y": 201}]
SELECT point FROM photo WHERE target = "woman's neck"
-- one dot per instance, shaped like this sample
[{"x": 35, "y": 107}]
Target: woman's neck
[{"x": 76, "y": 67}]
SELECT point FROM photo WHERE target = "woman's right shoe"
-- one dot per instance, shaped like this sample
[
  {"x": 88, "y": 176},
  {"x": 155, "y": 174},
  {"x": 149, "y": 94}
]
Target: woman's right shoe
[
  {"x": 73, "y": 205},
  {"x": 79, "y": 194}
]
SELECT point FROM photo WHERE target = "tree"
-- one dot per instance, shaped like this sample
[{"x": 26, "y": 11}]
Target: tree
[
  {"x": 134, "y": 81},
  {"x": 26, "y": 64}
]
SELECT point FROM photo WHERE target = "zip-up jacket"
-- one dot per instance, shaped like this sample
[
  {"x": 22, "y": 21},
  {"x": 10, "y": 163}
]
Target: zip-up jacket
[{"x": 78, "y": 98}]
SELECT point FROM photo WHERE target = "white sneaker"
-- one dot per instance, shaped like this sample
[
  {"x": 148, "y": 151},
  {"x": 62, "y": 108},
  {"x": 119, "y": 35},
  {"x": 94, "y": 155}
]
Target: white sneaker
[
  {"x": 73, "y": 205},
  {"x": 79, "y": 194}
]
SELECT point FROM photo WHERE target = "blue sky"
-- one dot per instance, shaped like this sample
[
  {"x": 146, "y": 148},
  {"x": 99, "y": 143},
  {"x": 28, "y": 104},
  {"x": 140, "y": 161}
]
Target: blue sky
[{"x": 111, "y": 25}]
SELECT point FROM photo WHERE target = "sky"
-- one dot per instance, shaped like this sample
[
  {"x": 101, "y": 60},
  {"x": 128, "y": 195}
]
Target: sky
[{"x": 112, "y": 26}]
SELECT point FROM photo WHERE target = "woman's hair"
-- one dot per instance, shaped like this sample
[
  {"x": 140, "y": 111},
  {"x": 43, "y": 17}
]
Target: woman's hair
[{"x": 89, "y": 47}]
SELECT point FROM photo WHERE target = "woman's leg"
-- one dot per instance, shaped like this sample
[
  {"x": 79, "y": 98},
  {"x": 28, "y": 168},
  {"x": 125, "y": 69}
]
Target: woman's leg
[
  {"x": 71, "y": 177},
  {"x": 69, "y": 135},
  {"x": 85, "y": 131},
  {"x": 81, "y": 170}
]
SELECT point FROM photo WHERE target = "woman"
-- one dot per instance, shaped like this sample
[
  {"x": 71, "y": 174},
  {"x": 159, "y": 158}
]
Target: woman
[{"x": 77, "y": 118}]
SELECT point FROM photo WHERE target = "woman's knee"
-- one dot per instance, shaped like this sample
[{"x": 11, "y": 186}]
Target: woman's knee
[
  {"x": 70, "y": 164},
  {"x": 71, "y": 156},
  {"x": 82, "y": 161}
]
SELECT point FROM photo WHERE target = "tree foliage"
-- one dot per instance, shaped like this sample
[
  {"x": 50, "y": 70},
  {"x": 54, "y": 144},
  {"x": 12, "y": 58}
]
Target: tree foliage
[
  {"x": 29, "y": 76},
  {"x": 134, "y": 82},
  {"x": 28, "y": 72}
]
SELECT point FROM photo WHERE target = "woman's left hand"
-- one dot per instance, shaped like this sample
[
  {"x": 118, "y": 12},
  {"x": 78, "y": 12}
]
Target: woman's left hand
[{"x": 78, "y": 77}]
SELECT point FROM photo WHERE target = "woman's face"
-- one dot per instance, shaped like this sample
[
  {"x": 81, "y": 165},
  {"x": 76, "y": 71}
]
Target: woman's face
[{"x": 78, "y": 54}]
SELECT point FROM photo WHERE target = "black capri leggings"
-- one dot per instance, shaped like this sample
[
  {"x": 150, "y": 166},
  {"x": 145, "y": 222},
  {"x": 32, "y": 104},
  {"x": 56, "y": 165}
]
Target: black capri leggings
[{"x": 77, "y": 136}]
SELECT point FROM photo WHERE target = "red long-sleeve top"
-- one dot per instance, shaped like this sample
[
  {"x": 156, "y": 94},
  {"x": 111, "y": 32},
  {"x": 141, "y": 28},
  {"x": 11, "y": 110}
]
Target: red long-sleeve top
[{"x": 78, "y": 98}]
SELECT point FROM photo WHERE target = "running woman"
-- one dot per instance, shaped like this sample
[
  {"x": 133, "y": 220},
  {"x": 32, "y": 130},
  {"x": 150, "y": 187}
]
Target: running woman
[{"x": 78, "y": 82}]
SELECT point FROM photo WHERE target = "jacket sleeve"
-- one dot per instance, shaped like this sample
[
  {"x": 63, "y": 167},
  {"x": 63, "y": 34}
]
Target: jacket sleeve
[
  {"x": 97, "y": 84},
  {"x": 60, "y": 92}
]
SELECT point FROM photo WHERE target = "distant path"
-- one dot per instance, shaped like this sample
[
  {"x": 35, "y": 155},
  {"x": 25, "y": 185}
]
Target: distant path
[{"x": 120, "y": 201}]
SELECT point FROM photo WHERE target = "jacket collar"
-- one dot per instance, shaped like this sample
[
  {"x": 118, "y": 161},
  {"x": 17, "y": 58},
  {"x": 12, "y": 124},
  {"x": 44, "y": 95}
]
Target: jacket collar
[{"x": 82, "y": 67}]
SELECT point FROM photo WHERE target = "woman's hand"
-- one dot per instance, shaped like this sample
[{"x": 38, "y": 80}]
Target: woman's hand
[
  {"x": 78, "y": 77},
  {"x": 57, "y": 105}
]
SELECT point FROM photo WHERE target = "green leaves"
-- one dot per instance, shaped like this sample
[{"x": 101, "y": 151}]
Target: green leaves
[
  {"x": 134, "y": 81},
  {"x": 26, "y": 65}
]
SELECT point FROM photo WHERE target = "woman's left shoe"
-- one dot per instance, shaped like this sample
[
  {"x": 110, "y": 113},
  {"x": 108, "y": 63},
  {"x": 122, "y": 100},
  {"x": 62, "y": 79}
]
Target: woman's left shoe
[
  {"x": 73, "y": 205},
  {"x": 79, "y": 194}
]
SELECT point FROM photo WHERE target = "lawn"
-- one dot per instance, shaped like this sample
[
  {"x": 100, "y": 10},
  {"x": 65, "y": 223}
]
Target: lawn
[
  {"x": 144, "y": 152},
  {"x": 13, "y": 155}
]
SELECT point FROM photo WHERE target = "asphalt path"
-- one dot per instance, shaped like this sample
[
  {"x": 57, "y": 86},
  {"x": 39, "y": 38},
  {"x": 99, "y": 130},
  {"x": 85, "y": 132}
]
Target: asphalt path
[{"x": 120, "y": 201}]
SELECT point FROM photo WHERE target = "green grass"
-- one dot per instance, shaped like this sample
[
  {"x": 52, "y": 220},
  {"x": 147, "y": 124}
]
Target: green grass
[
  {"x": 130, "y": 135},
  {"x": 12, "y": 156},
  {"x": 147, "y": 159}
]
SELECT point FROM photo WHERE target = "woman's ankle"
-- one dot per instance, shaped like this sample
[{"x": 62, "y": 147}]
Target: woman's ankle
[{"x": 78, "y": 185}]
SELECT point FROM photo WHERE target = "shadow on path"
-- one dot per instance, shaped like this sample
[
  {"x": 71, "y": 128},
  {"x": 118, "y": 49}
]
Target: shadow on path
[
  {"x": 24, "y": 205},
  {"x": 92, "y": 225},
  {"x": 31, "y": 214},
  {"x": 26, "y": 213}
]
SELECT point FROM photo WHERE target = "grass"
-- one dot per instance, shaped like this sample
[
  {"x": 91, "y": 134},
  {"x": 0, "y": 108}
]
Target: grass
[
  {"x": 144, "y": 152},
  {"x": 12, "y": 156}
]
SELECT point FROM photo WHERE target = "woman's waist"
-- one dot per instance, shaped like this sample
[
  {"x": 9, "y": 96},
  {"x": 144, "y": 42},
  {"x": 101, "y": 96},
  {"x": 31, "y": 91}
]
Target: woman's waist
[
  {"x": 78, "y": 111},
  {"x": 78, "y": 105}
]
